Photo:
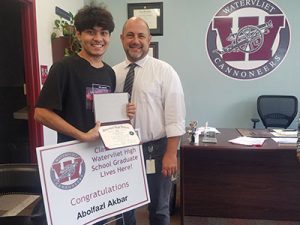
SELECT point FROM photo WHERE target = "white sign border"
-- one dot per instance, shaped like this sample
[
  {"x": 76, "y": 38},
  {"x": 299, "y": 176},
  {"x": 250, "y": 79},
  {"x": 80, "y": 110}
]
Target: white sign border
[{"x": 43, "y": 174}]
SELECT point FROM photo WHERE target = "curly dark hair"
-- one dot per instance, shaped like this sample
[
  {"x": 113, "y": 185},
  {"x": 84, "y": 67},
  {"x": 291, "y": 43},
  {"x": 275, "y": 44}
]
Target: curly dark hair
[{"x": 90, "y": 16}]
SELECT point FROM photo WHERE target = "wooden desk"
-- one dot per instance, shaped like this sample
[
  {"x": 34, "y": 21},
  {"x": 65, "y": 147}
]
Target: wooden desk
[{"x": 235, "y": 181}]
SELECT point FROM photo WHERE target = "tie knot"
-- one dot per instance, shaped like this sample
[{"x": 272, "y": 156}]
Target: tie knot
[{"x": 132, "y": 66}]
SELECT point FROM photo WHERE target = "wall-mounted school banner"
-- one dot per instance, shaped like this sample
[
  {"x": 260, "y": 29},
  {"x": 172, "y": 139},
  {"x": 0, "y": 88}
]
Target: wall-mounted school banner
[
  {"x": 84, "y": 183},
  {"x": 248, "y": 39}
]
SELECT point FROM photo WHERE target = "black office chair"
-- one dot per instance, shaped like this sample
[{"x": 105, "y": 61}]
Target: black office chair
[
  {"x": 277, "y": 111},
  {"x": 22, "y": 179}
]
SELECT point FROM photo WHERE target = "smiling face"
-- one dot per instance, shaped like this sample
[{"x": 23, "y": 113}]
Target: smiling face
[
  {"x": 136, "y": 39},
  {"x": 94, "y": 42}
]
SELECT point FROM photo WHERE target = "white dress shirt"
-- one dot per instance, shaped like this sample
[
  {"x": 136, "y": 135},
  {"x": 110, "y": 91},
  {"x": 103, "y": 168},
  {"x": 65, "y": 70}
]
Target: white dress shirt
[{"x": 158, "y": 96}]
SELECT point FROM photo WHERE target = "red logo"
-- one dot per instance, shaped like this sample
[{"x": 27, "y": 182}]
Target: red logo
[
  {"x": 67, "y": 170},
  {"x": 248, "y": 39}
]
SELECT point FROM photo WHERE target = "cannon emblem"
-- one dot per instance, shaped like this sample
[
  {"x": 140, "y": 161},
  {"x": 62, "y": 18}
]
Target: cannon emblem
[{"x": 248, "y": 39}]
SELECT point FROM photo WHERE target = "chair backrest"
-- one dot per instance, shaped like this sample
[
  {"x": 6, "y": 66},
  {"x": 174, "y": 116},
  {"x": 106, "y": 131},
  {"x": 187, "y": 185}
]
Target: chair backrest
[
  {"x": 277, "y": 110},
  {"x": 22, "y": 178}
]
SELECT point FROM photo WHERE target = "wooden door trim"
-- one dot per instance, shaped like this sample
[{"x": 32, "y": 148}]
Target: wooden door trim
[{"x": 32, "y": 78}]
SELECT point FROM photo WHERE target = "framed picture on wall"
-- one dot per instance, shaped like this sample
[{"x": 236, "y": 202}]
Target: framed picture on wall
[
  {"x": 152, "y": 13},
  {"x": 153, "y": 49}
]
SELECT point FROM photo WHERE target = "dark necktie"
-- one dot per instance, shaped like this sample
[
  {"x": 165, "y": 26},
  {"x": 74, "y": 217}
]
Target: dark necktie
[{"x": 129, "y": 79}]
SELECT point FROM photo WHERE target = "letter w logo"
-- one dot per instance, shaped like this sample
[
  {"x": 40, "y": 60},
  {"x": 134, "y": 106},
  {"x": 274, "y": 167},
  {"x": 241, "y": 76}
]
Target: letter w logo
[
  {"x": 256, "y": 39},
  {"x": 67, "y": 170}
]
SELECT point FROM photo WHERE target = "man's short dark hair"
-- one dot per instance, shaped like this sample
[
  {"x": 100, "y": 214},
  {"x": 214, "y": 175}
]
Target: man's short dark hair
[{"x": 90, "y": 16}]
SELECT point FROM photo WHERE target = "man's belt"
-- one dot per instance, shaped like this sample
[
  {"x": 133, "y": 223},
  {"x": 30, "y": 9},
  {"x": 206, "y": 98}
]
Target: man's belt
[{"x": 158, "y": 142}]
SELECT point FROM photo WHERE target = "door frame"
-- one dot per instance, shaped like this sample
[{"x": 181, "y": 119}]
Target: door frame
[{"x": 31, "y": 70}]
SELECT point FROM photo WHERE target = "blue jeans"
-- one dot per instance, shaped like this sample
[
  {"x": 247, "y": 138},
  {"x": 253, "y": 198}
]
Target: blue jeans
[
  {"x": 159, "y": 211},
  {"x": 159, "y": 189},
  {"x": 159, "y": 185}
]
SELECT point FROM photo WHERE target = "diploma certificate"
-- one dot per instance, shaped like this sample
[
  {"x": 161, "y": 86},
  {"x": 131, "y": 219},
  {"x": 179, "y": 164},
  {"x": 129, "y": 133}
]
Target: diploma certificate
[
  {"x": 118, "y": 135},
  {"x": 111, "y": 108},
  {"x": 149, "y": 15},
  {"x": 151, "y": 12}
]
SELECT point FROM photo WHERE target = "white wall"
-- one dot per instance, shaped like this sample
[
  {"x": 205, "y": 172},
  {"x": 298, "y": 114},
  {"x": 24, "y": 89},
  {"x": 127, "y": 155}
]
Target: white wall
[
  {"x": 45, "y": 16},
  {"x": 210, "y": 96}
]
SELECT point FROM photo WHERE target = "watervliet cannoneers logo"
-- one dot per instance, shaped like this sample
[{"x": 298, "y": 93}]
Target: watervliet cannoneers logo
[
  {"x": 67, "y": 170},
  {"x": 248, "y": 39}
]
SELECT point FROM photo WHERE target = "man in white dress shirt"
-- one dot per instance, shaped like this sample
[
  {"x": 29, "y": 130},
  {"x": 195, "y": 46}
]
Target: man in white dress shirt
[{"x": 160, "y": 114}]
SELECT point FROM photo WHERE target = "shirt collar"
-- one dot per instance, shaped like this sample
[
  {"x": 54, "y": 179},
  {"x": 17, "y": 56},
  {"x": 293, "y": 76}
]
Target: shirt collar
[{"x": 140, "y": 63}]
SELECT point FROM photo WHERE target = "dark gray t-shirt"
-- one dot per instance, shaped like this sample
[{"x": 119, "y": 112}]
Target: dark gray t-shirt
[{"x": 68, "y": 91}]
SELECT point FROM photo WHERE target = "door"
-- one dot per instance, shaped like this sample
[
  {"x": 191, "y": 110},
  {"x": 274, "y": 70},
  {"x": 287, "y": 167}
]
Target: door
[{"x": 19, "y": 82}]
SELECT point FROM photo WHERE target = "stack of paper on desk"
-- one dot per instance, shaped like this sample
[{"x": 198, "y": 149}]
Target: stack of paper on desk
[
  {"x": 249, "y": 141},
  {"x": 284, "y": 133},
  {"x": 286, "y": 141}
]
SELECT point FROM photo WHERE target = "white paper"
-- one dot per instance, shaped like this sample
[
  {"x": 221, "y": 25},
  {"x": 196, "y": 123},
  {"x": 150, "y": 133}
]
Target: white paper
[
  {"x": 206, "y": 129},
  {"x": 286, "y": 140},
  {"x": 284, "y": 133},
  {"x": 249, "y": 141},
  {"x": 110, "y": 107}
]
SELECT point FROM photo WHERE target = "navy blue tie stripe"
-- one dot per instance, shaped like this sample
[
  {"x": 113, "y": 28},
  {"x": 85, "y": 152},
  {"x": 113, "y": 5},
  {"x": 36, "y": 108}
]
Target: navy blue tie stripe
[{"x": 129, "y": 79}]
